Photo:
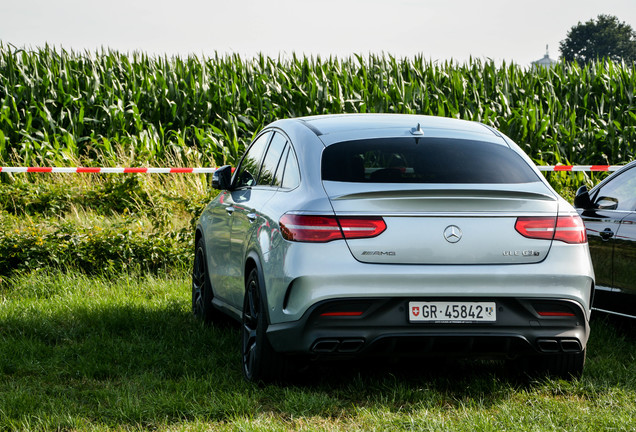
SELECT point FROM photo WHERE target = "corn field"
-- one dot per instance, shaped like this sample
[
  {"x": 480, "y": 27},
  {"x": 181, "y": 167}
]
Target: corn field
[{"x": 59, "y": 107}]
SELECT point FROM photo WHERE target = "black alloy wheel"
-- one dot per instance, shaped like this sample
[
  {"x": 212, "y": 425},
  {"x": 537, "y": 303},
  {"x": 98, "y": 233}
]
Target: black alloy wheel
[
  {"x": 260, "y": 362},
  {"x": 201, "y": 288},
  {"x": 565, "y": 365}
]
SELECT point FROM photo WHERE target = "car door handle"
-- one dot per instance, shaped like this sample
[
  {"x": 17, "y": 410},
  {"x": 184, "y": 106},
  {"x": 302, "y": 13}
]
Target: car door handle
[
  {"x": 251, "y": 217},
  {"x": 229, "y": 210},
  {"x": 606, "y": 234}
]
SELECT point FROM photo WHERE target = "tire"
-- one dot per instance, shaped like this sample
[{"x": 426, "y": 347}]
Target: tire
[
  {"x": 202, "y": 293},
  {"x": 565, "y": 365},
  {"x": 261, "y": 364}
]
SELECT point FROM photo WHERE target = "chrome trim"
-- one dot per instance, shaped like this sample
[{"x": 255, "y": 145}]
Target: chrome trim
[
  {"x": 615, "y": 211},
  {"x": 613, "y": 313}
]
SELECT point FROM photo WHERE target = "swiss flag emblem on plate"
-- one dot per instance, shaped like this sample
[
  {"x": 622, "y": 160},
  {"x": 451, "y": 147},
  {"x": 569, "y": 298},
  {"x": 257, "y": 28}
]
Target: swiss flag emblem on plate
[{"x": 415, "y": 310}]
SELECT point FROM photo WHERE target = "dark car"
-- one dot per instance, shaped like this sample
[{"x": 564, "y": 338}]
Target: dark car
[{"x": 609, "y": 213}]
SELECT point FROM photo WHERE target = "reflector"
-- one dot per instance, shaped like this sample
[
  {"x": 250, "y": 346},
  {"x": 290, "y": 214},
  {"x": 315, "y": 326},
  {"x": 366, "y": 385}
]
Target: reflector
[
  {"x": 341, "y": 314},
  {"x": 555, "y": 313}
]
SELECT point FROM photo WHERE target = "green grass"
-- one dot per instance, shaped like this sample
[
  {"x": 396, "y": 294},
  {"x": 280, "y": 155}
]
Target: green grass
[{"x": 125, "y": 353}]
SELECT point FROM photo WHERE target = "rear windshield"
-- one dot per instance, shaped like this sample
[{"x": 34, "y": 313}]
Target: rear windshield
[{"x": 424, "y": 160}]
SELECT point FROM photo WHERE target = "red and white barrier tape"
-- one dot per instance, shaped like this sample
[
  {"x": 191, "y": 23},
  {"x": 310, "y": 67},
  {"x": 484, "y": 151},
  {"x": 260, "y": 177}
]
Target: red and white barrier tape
[
  {"x": 107, "y": 170},
  {"x": 579, "y": 167},
  {"x": 211, "y": 170}
]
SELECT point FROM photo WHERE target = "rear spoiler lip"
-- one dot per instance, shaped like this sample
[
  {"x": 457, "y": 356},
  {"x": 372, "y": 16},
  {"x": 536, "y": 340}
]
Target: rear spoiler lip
[
  {"x": 447, "y": 214},
  {"x": 447, "y": 193}
]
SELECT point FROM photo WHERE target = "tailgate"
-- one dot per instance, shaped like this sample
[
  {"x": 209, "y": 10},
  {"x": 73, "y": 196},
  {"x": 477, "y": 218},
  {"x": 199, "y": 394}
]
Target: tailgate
[{"x": 445, "y": 224}]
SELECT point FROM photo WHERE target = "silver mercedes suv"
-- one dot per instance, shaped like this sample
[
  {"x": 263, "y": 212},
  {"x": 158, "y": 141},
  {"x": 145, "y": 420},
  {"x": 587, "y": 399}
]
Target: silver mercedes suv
[{"x": 383, "y": 234}]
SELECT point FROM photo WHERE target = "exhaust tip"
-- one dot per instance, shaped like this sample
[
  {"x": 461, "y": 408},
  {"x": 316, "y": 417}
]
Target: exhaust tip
[
  {"x": 350, "y": 345},
  {"x": 548, "y": 345},
  {"x": 570, "y": 345},
  {"x": 326, "y": 346}
]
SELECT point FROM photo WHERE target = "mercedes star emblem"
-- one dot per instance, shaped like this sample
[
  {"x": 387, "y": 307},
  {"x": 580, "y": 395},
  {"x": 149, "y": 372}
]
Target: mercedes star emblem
[{"x": 452, "y": 234}]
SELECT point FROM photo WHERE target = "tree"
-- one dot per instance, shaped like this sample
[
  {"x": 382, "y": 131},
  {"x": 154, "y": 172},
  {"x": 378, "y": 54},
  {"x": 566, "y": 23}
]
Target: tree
[{"x": 605, "y": 37}]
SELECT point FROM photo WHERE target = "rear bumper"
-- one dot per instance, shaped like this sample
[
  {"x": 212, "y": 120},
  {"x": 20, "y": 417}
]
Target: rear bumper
[
  {"x": 383, "y": 329},
  {"x": 312, "y": 274}
]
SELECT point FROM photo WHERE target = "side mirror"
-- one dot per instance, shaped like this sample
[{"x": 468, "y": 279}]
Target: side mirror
[
  {"x": 582, "y": 198},
  {"x": 607, "y": 203},
  {"x": 222, "y": 178}
]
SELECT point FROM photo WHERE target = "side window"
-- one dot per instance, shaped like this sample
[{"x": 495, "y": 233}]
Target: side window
[
  {"x": 619, "y": 193},
  {"x": 272, "y": 160},
  {"x": 247, "y": 172},
  {"x": 278, "y": 177},
  {"x": 291, "y": 177}
]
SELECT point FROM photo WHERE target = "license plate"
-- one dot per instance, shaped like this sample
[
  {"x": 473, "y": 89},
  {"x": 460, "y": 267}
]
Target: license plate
[{"x": 452, "y": 312}]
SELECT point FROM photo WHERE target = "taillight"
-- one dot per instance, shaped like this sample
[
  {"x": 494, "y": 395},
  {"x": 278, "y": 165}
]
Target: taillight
[
  {"x": 321, "y": 229},
  {"x": 568, "y": 229},
  {"x": 536, "y": 227},
  {"x": 361, "y": 227},
  {"x": 309, "y": 228}
]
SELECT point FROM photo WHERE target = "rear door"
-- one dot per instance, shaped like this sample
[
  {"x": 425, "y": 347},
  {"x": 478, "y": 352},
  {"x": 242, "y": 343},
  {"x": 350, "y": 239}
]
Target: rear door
[
  {"x": 624, "y": 261},
  {"x": 249, "y": 199},
  {"x": 601, "y": 226},
  {"x": 444, "y": 201},
  {"x": 219, "y": 235},
  {"x": 611, "y": 231}
]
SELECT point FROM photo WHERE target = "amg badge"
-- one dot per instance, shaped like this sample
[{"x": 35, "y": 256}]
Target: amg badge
[{"x": 387, "y": 253}]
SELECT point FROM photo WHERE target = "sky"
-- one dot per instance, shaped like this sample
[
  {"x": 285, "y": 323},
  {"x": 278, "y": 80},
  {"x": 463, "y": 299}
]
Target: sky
[{"x": 501, "y": 30}]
